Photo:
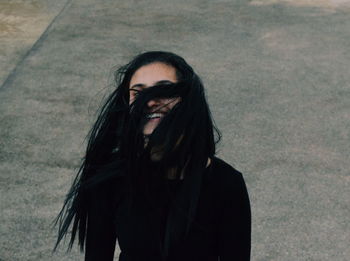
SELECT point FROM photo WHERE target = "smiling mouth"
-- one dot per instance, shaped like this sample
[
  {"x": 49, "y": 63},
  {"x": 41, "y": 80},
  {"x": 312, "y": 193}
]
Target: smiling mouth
[{"x": 155, "y": 115}]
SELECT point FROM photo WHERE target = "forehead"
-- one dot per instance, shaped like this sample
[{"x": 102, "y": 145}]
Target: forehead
[{"x": 150, "y": 74}]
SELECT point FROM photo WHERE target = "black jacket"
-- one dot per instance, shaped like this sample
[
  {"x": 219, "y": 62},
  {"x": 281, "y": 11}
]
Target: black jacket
[{"x": 222, "y": 225}]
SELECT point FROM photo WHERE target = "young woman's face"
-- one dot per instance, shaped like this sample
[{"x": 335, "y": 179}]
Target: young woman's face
[{"x": 151, "y": 75}]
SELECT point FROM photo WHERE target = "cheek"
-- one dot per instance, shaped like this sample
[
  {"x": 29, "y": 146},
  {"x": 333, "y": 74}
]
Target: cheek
[
  {"x": 174, "y": 102},
  {"x": 131, "y": 98}
]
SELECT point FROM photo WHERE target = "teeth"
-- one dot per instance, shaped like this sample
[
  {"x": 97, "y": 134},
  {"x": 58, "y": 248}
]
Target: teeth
[{"x": 154, "y": 115}]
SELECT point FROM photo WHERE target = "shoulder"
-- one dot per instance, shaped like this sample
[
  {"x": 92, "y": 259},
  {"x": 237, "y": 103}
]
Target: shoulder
[
  {"x": 222, "y": 171},
  {"x": 224, "y": 176}
]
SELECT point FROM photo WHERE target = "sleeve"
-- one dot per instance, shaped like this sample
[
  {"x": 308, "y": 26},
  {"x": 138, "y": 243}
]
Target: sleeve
[
  {"x": 235, "y": 220},
  {"x": 101, "y": 235}
]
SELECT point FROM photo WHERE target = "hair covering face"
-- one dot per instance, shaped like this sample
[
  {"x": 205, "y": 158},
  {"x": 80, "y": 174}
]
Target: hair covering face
[{"x": 182, "y": 141}]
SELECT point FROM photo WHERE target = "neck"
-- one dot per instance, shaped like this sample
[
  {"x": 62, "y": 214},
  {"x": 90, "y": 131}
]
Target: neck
[{"x": 172, "y": 174}]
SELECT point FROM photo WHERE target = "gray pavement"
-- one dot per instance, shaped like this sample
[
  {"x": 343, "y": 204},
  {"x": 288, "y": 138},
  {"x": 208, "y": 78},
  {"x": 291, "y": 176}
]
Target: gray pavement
[
  {"x": 278, "y": 82},
  {"x": 22, "y": 25}
]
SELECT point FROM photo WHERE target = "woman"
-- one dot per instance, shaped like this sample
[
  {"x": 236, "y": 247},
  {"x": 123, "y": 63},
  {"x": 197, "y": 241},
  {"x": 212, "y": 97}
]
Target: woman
[{"x": 150, "y": 178}]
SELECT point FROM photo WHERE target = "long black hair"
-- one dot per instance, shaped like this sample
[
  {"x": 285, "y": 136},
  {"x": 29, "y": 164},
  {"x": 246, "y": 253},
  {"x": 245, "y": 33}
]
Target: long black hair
[{"x": 185, "y": 138}]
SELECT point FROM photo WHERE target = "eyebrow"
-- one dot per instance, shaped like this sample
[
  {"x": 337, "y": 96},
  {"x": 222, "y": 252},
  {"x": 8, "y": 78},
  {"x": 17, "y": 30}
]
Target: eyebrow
[{"x": 141, "y": 85}]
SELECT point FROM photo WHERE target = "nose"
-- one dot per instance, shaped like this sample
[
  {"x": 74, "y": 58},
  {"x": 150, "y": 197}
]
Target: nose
[{"x": 154, "y": 102}]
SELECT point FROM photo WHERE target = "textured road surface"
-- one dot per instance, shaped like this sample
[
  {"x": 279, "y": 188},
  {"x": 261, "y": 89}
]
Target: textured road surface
[
  {"x": 22, "y": 23},
  {"x": 278, "y": 82}
]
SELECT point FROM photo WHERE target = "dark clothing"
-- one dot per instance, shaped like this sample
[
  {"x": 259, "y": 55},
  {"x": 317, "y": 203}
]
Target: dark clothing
[{"x": 221, "y": 229}]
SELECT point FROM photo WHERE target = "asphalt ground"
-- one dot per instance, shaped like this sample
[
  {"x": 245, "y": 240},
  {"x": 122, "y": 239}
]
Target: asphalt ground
[
  {"x": 277, "y": 80},
  {"x": 22, "y": 23}
]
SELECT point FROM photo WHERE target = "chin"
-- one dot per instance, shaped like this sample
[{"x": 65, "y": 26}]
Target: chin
[{"x": 148, "y": 131}]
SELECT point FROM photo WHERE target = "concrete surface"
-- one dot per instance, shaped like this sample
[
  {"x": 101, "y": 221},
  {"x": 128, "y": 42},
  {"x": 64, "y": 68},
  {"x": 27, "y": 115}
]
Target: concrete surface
[
  {"x": 277, "y": 77},
  {"x": 22, "y": 22}
]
